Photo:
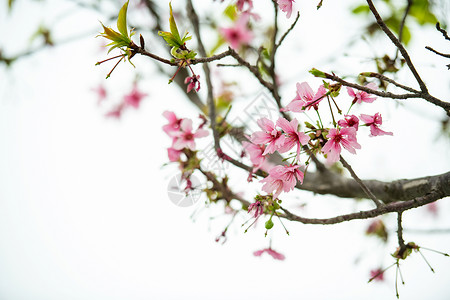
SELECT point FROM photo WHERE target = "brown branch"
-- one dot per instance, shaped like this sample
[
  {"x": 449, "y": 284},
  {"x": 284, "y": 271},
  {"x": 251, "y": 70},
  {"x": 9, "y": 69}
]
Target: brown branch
[
  {"x": 399, "y": 46},
  {"x": 383, "y": 77},
  {"x": 438, "y": 53},
  {"x": 423, "y": 95},
  {"x": 359, "y": 181},
  {"x": 389, "y": 208}
]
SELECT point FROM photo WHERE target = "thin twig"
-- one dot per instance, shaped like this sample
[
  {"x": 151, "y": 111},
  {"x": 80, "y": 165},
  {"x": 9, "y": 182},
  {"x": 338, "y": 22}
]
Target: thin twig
[
  {"x": 210, "y": 100},
  {"x": 402, "y": 24},
  {"x": 399, "y": 46},
  {"x": 383, "y": 77},
  {"x": 361, "y": 184},
  {"x": 438, "y": 53},
  {"x": 288, "y": 31},
  {"x": 401, "y": 241}
]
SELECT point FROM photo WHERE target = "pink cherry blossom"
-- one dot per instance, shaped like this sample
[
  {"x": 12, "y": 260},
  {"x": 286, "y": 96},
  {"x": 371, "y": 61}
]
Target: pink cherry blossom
[
  {"x": 256, "y": 154},
  {"x": 134, "y": 98},
  {"x": 116, "y": 112},
  {"x": 271, "y": 252},
  {"x": 282, "y": 179},
  {"x": 361, "y": 96},
  {"x": 306, "y": 98},
  {"x": 101, "y": 93},
  {"x": 240, "y": 4},
  {"x": 293, "y": 136},
  {"x": 349, "y": 121},
  {"x": 373, "y": 122},
  {"x": 174, "y": 154},
  {"x": 239, "y": 34},
  {"x": 193, "y": 81},
  {"x": 258, "y": 208},
  {"x": 377, "y": 274},
  {"x": 174, "y": 123},
  {"x": 270, "y": 135},
  {"x": 286, "y": 6},
  {"x": 345, "y": 137},
  {"x": 185, "y": 137}
]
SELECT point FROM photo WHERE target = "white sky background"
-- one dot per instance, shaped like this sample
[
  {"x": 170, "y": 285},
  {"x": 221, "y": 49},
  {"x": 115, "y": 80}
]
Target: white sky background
[{"x": 84, "y": 212}]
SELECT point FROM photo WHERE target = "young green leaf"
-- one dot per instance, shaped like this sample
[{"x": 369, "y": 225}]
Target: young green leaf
[
  {"x": 173, "y": 26},
  {"x": 122, "y": 20}
]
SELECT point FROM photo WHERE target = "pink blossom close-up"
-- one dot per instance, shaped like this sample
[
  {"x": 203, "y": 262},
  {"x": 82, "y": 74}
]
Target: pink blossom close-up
[
  {"x": 257, "y": 207},
  {"x": 185, "y": 138},
  {"x": 377, "y": 274},
  {"x": 271, "y": 252},
  {"x": 270, "y": 135},
  {"x": 349, "y": 121},
  {"x": 345, "y": 137},
  {"x": 374, "y": 122},
  {"x": 282, "y": 179},
  {"x": 286, "y": 6},
  {"x": 174, "y": 123},
  {"x": 173, "y": 154},
  {"x": 134, "y": 98},
  {"x": 239, "y": 34},
  {"x": 116, "y": 112},
  {"x": 193, "y": 83},
  {"x": 240, "y": 4},
  {"x": 361, "y": 96},
  {"x": 293, "y": 136},
  {"x": 256, "y": 153},
  {"x": 305, "y": 98}
]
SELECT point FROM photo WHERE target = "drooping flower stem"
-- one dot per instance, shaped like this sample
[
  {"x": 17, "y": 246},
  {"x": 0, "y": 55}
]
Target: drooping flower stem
[
  {"x": 109, "y": 74},
  {"x": 331, "y": 110}
]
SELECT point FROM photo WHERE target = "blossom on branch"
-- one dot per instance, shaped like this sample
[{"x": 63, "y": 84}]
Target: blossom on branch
[
  {"x": 270, "y": 135},
  {"x": 256, "y": 154},
  {"x": 345, "y": 137},
  {"x": 192, "y": 82},
  {"x": 239, "y": 34},
  {"x": 361, "y": 96},
  {"x": 349, "y": 121},
  {"x": 306, "y": 98},
  {"x": 373, "y": 122},
  {"x": 293, "y": 136},
  {"x": 282, "y": 179},
  {"x": 258, "y": 208},
  {"x": 174, "y": 123},
  {"x": 286, "y": 6},
  {"x": 185, "y": 138}
]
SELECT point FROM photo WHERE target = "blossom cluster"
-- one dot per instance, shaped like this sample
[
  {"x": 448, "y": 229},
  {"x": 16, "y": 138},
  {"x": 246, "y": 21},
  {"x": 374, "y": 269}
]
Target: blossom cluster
[
  {"x": 286, "y": 135},
  {"x": 182, "y": 134}
]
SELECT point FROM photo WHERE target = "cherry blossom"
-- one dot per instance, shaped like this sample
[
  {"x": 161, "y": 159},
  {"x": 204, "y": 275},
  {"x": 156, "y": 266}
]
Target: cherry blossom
[
  {"x": 173, "y": 154},
  {"x": 174, "y": 123},
  {"x": 240, "y": 4},
  {"x": 134, "y": 98},
  {"x": 377, "y": 274},
  {"x": 349, "y": 121},
  {"x": 271, "y": 252},
  {"x": 373, "y": 122},
  {"x": 306, "y": 98},
  {"x": 239, "y": 34},
  {"x": 286, "y": 6},
  {"x": 282, "y": 179},
  {"x": 270, "y": 135},
  {"x": 345, "y": 137},
  {"x": 256, "y": 154},
  {"x": 185, "y": 137},
  {"x": 293, "y": 136},
  {"x": 193, "y": 81},
  {"x": 258, "y": 208},
  {"x": 361, "y": 96},
  {"x": 116, "y": 112}
]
